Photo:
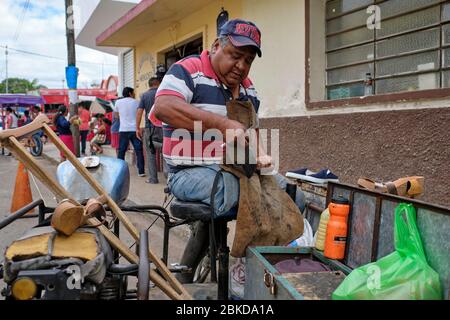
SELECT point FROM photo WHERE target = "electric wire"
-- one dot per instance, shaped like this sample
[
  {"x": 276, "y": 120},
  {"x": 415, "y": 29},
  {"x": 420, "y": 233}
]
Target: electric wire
[
  {"x": 21, "y": 19},
  {"x": 53, "y": 57}
]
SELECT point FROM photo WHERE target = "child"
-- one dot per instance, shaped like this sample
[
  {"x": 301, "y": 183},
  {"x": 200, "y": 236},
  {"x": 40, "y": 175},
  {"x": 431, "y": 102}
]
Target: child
[{"x": 99, "y": 137}]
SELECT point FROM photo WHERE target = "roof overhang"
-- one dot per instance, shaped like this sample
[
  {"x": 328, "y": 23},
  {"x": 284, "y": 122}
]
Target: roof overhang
[
  {"x": 106, "y": 13},
  {"x": 148, "y": 15}
]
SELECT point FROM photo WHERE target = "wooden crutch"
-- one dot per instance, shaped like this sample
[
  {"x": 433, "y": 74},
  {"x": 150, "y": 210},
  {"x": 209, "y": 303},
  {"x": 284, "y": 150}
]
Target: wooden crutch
[{"x": 9, "y": 139}]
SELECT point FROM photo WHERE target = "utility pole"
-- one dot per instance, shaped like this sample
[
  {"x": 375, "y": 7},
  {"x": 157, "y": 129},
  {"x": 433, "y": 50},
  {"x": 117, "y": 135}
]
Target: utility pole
[
  {"x": 7, "y": 81},
  {"x": 72, "y": 73}
]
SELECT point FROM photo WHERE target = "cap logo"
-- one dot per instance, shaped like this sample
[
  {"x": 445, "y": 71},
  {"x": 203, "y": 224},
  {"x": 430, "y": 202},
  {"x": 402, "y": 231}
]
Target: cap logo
[{"x": 249, "y": 31}]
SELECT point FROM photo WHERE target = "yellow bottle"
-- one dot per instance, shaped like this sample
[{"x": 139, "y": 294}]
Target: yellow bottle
[{"x": 322, "y": 230}]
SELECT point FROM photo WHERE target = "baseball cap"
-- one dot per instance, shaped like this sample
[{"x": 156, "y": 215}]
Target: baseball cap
[{"x": 242, "y": 33}]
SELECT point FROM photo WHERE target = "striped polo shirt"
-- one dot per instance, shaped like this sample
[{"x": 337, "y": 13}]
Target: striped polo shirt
[{"x": 193, "y": 80}]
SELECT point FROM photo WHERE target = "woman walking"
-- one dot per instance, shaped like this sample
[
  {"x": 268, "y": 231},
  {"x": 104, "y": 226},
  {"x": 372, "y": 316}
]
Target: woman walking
[
  {"x": 85, "y": 117},
  {"x": 63, "y": 128}
]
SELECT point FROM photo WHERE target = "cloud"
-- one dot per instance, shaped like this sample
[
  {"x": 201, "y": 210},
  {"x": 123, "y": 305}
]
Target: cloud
[{"x": 43, "y": 32}]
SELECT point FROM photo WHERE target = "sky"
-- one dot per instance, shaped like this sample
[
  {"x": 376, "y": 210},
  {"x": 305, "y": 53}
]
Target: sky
[{"x": 41, "y": 30}]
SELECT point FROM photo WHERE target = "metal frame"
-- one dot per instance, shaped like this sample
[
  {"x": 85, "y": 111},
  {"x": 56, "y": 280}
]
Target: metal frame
[{"x": 440, "y": 48}]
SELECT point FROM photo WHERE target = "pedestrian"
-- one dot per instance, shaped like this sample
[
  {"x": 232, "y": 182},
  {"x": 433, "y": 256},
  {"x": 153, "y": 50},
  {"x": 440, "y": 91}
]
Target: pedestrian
[
  {"x": 35, "y": 112},
  {"x": 151, "y": 133},
  {"x": 11, "y": 121},
  {"x": 26, "y": 119},
  {"x": 85, "y": 117},
  {"x": 63, "y": 128},
  {"x": 99, "y": 138},
  {"x": 126, "y": 109},
  {"x": 107, "y": 120},
  {"x": 115, "y": 130}
]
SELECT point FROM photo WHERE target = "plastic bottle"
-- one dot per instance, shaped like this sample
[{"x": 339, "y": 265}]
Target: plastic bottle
[
  {"x": 322, "y": 229},
  {"x": 368, "y": 85},
  {"x": 336, "y": 237}
]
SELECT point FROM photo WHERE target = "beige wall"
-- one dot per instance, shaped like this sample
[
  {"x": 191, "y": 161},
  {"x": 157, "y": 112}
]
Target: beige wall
[
  {"x": 203, "y": 22},
  {"x": 279, "y": 76},
  {"x": 317, "y": 47}
]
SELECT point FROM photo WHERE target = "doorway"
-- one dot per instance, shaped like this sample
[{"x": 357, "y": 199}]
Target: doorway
[{"x": 181, "y": 51}]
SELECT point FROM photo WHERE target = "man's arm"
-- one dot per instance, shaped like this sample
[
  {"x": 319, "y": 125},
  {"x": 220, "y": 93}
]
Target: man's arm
[
  {"x": 138, "y": 123},
  {"x": 179, "y": 114}
]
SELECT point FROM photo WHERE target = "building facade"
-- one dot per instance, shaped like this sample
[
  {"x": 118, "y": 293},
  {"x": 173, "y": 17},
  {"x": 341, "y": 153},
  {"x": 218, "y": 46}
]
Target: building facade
[
  {"x": 357, "y": 86},
  {"x": 93, "y": 16}
]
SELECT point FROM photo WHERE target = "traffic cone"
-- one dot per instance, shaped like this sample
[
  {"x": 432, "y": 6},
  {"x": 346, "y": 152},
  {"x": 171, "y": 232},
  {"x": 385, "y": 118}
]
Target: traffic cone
[{"x": 22, "y": 191}]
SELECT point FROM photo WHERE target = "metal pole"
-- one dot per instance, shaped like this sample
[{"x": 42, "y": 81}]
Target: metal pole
[
  {"x": 19, "y": 213},
  {"x": 7, "y": 82},
  {"x": 71, "y": 59}
]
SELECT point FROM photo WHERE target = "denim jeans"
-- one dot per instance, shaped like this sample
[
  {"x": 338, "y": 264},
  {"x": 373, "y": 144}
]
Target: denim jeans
[
  {"x": 124, "y": 140},
  {"x": 195, "y": 184},
  {"x": 151, "y": 157},
  {"x": 83, "y": 138}
]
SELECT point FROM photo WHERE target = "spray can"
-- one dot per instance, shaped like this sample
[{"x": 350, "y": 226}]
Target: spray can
[{"x": 336, "y": 237}]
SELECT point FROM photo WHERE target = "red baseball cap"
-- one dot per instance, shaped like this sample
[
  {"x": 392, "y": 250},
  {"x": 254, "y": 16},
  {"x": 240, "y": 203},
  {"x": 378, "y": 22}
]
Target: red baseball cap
[{"x": 242, "y": 33}]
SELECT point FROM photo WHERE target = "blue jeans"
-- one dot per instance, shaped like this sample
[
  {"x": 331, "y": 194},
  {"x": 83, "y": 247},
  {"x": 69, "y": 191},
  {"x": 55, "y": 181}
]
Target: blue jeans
[
  {"x": 124, "y": 140},
  {"x": 151, "y": 157},
  {"x": 83, "y": 138},
  {"x": 195, "y": 184}
]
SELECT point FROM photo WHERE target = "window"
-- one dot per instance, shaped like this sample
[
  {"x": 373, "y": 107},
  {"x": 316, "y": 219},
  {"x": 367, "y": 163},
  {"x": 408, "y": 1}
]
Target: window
[
  {"x": 193, "y": 47},
  {"x": 410, "y": 52},
  {"x": 128, "y": 69}
]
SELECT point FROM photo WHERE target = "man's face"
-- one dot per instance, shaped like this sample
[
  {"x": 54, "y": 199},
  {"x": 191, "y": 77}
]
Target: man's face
[{"x": 232, "y": 64}]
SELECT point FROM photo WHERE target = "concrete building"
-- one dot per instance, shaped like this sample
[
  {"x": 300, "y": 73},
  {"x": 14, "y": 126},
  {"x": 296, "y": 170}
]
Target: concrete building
[{"x": 357, "y": 86}]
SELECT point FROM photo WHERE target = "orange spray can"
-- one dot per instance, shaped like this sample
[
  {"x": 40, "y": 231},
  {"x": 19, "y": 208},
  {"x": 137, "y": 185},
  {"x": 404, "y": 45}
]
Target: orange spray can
[{"x": 336, "y": 238}]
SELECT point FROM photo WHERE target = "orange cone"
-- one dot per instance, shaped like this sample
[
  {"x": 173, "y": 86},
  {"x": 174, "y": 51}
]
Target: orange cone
[{"x": 22, "y": 191}]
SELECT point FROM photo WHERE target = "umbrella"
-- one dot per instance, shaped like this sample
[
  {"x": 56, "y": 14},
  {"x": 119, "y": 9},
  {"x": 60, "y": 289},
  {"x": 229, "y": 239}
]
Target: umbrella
[
  {"x": 96, "y": 108},
  {"x": 20, "y": 99},
  {"x": 105, "y": 104}
]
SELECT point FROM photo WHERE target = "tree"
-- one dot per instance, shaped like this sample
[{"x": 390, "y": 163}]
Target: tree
[{"x": 18, "y": 85}]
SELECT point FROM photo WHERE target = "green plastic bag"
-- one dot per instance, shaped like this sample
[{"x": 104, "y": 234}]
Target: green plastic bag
[{"x": 402, "y": 275}]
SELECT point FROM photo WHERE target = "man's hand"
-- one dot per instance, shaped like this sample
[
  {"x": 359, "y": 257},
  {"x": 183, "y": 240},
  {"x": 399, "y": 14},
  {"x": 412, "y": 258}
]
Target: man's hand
[
  {"x": 139, "y": 133},
  {"x": 264, "y": 161},
  {"x": 237, "y": 129},
  {"x": 139, "y": 113}
]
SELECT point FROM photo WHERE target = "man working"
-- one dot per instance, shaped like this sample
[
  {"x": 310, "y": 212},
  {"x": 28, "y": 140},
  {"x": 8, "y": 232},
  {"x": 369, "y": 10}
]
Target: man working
[
  {"x": 146, "y": 103},
  {"x": 198, "y": 88}
]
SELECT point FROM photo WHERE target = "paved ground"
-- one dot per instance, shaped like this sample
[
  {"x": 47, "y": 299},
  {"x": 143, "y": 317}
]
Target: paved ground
[{"x": 140, "y": 193}]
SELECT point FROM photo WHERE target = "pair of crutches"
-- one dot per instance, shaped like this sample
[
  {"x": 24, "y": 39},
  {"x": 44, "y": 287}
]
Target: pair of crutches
[{"x": 10, "y": 139}]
